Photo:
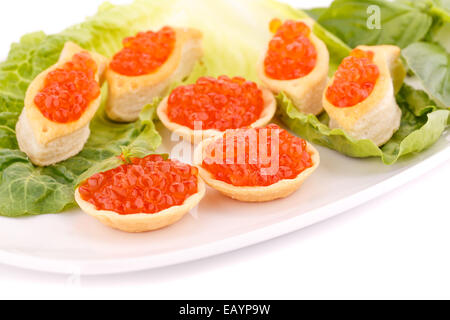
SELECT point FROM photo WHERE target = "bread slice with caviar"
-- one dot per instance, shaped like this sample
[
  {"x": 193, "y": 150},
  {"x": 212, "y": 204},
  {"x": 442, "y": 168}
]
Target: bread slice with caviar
[
  {"x": 377, "y": 117},
  {"x": 44, "y": 140},
  {"x": 306, "y": 90},
  {"x": 128, "y": 94}
]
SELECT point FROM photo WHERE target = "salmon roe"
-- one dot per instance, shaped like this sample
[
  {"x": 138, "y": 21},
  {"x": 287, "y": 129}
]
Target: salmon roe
[
  {"x": 271, "y": 155},
  {"x": 144, "y": 53},
  {"x": 354, "y": 80},
  {"x": 68, "y": 90},
  {"x": 148, "y": 185},
  {"x": 291, "y": 54},
  {"x": 219, "y": 104}
]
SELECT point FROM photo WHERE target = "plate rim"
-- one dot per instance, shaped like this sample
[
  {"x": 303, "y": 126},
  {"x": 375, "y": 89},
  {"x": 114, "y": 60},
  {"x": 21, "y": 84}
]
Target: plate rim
[{"x": 260, "y": 235}]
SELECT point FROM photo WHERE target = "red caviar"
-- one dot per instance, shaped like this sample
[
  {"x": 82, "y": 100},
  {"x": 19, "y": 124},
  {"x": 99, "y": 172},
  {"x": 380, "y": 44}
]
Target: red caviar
[
  {"x": 68, "y": 90},
  {"x": 271, "y": 155},
  {"x": 148, "y": 185},
  {"x": 219, "y": 104},
  {"x": 354, "y": 80},
  {"x": 291, "y": 53},
  {"x": 144, "y": 53}
]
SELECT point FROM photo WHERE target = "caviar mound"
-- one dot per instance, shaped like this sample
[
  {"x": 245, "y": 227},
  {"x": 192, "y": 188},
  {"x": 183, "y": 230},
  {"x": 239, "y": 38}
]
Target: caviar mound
[
  {"x": 291, "y": 54},
  {"x": 144, "y": 53},
  {"x": 218, "y": 104},
  {"x": 148, "y": 185},
  {"x": 257, "y": 157},
  {"x": 355, "y": 79},
  {"x": 68, "y": 91}
]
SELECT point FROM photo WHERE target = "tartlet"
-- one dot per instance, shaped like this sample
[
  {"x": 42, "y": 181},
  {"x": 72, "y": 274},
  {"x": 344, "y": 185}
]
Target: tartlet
[
  {"x": 129, "y": 94},
  {"x": 142, "y": 222},
  {"x": 196, "y": 136},
  {"x": 305, "y": 91},
  {"x": 378, "y": 116},
  {"x": 48, "y": 142},
  {"x": 278, "y": 190}
]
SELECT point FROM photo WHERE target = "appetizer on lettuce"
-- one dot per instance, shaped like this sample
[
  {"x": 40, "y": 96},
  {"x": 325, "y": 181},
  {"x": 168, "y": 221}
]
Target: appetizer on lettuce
[
  {"x": 361, "y": 96},
  {"x": 147, "y": 66},
  {"x": 211, "y": 106},
  {"x": 265, "y": 163},
  {"x": 59, "y": 105},
  {"x": 297, "y": 63},
  {"x": 142, "y": 194}
]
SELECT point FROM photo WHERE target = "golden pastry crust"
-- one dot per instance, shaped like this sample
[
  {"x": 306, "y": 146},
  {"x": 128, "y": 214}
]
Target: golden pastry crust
[
  {"x": 55, "y": 151},
  {"x": 44, "y": 129},
  {"x": 306, "y": 92},
  {"x": 377, "y": 117},
  {"x": 142, "y": 222},
  {"x": 128, "y": 95},
  {"x": 196, "y": 136},
  {"x": 281, "y": 189},
  {"x": 46, "y": 142}
]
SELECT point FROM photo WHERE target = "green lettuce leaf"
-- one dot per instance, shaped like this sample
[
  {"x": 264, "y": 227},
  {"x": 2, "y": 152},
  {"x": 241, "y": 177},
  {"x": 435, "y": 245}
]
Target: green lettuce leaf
[
  {"x": 418, "y": 101},
  {"x": 440, "y": 8},
  {"x": 415, "y": 133},
  {"x": 400, "y": 24},
  {"x": 315, "y": 13},
  {"x": 431, "y": 64}
]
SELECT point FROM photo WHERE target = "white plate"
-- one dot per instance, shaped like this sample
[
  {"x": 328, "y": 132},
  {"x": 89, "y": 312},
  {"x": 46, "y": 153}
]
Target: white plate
[{"x": 76, "y": 243}]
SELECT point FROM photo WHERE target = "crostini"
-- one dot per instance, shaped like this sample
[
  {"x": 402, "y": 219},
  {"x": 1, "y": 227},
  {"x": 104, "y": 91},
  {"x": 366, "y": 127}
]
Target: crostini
[
  {"x": 360, "y": 99},
  {"x": 211, "y": 106},
  {"x": 59, "y": 105},
  {"x": 144, "y": 195},
  {"x": 296, "y": 62},
  {"x": 146, "y": 67},
  {"x": 256, "y": 165}
]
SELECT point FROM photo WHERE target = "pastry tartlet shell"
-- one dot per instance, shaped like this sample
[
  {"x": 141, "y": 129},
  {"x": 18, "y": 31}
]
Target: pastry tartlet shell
[
  {"x": 47, "y": 142},
  {"x": 143, "y": 222},
  {"x": 281, "y": 189},
  {"x": 196, "y": 136},
  {"x": 129, "y": 94},
  {"x": 305, "y": 92}
]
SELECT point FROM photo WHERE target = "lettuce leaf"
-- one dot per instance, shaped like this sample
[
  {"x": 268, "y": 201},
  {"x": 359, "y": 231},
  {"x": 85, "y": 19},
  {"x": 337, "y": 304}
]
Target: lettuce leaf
[
  {"x": 440, "y": 8},
  {"x": 415, "y": 133},
  {"x": 431, "y": 64},
  {"x": 400, "y": 24},
  {"x": 315, "y": 13}
]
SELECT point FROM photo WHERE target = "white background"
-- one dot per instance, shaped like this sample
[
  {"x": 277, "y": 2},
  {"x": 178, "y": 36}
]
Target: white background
[{"x": 397, "y": 246}]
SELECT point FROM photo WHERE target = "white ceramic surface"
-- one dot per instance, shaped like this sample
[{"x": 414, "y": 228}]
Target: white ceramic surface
[{"x": 73, "y": 242}]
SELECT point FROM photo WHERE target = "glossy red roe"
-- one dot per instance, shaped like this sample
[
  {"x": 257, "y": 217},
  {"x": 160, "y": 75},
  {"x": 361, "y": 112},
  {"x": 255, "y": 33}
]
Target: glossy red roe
[
  {"x": 269, "y": 157},
  {"x": 291, "y": 54},
  {"x": 219, "y": 104},
  {"x": 69, "y": 90},
  {"x": 355, "y": 79},
  {"x": 148, "y": 185},
  {"x": 144, "y": 53}
]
